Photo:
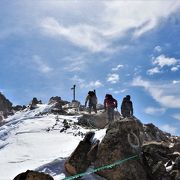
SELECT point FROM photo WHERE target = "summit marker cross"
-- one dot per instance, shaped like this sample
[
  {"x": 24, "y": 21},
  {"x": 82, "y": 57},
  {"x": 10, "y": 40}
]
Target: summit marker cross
[{"x": 74, "y": 91}]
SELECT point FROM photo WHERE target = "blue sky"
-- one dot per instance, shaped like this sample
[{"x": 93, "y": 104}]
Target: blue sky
[{"x": 119, "y": 47}]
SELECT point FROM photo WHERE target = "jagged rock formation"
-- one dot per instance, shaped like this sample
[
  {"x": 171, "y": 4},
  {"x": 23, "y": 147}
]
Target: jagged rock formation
[
  {"x": 19, "y": 107},
  {"x": 157, "y": 160},
  {"x": 152, "y": 133},
  {"x": 34, "y": 102},
  {"x": 33, "y": 175},
  {"x": 121, "y": 141},
  {"x": 57, "y": 105},
  {"x": 5, "y": 106},
  {"x": 78, "y": 161}
]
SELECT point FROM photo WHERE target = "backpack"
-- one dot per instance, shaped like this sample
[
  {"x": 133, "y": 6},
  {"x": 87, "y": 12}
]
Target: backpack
[{"x": 110, "y": 101}]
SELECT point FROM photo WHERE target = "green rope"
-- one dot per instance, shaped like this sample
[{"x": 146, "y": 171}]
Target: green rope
[{"x": 100, "y": 168}]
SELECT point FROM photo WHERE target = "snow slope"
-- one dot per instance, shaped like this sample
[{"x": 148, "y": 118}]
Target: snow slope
[{"x": 30, "y": 140}]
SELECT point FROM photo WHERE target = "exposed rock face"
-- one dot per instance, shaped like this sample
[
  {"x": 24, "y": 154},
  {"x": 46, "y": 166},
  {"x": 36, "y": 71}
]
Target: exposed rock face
[
  {"x": 152, "y": 133},
  {"x": 119, "y": 143},
  {"x": 57, "y": 100},
  {"x": 34, "y": 102},
  {"x": 177, "y": 147},
  {"x": 5, "y": 106},
  {"x": 57, "y": 105},
  {"x": 19, "y": 107},
  {"x": 94, "y": 120},
  {"x": 155, "y": 155},
  {"x": 78, "y": 162},
  {"x": 33, "y": 175}
]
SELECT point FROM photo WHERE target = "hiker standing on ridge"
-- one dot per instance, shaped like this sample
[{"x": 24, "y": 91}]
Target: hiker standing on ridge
[
  {"x": 91, "y": 97},
  {"x": 127, "y": 107},
  {"x": 109, "y": 105}
]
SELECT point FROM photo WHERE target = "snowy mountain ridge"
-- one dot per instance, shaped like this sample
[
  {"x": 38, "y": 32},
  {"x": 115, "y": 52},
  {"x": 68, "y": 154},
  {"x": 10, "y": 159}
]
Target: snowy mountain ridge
[{"x": 31, "y": 139}]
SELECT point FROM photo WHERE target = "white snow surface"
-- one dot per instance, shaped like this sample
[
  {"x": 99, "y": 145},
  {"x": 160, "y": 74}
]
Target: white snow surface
[{"x": 26, "y": 144}]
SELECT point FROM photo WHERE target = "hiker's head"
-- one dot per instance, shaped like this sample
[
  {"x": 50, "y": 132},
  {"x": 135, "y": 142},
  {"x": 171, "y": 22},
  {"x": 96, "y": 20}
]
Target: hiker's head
[
  {"x": 128, "y": 97},
  {"x": 108, "y": 96}
]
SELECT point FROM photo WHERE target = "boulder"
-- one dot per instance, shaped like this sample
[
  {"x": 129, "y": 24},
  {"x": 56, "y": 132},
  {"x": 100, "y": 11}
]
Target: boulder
[
  {"x": 152, "y": 133},
  {"x": 58, "y": 101},
  {"x": 122, "y": 140},
  {"x": 176, "y": 147},
  {"x": 176, "y": 165},
  {"x": 155, "y": 156},
  {"x": 57, "y": 104},
  {"x": 33, "y": 175},
  {"x": 78, "y": 161},
  {"x": 34, "y": 102},
  {"x": 94, "y": 120}
]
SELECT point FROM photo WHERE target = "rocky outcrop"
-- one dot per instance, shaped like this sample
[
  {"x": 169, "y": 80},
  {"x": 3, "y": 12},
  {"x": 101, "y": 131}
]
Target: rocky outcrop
[
  {"x": 78, "y": 161},
  {"x": 158, "y": 158},
  {"x": 157, "y": 152},
  {"x": 33, "y": 175},
  {"x": 19, "y": 107},
  {"x": 93, "y": 120},
  {"x": 122, "y": 140},
  {"x": 152, "y": 133},
  {"x": 58, "y": 101},
  {"x": 5, "y": 106},
  {"x": 34, "y": 102},
  {"x": 57, "y": 105}
]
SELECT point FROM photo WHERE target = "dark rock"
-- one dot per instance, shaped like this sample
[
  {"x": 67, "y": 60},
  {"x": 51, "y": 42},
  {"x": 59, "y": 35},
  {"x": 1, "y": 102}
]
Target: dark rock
[
  {"x": 57, "y": 105},
  {"x": 121, "y": 141},
  {"x": 156, "y": 151},
  {"x": 17, "y": 108},
  {"x": 5, "y": 106},
  {"x": 65, "y": 126},
  {"x": 94, "y": 120},
  {"x": 175, "y": 175},
  {"x": 158, "y": 170},
  {"x": 176, "y": 147},
  {"x": 173, "y": 155},
  {"x": 155, "y": 155},
  {"x": 152, "y": 133},
  {"x": 57, "y": 100},
  {"x": 176, "y": 165},
  {"x": 92, "y": 154},
  {"x": 33, "y": 175},
  {"x": 78, "y": 162},
  {"x": 89, "y": 136},
  {"x": 34, "y": 102}
]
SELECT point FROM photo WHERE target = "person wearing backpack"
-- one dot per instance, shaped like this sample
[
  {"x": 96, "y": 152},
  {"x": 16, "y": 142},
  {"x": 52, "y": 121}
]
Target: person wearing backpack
[
  {"x": 92, "y": 99},
  {"x": 109, "y": 105},
  {"x": 127, "y": 107}
]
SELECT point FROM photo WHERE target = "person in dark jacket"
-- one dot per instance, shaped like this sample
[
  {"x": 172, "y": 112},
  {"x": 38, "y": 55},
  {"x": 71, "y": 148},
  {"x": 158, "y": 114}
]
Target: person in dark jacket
[
  {"x": 92, "y": 99},
  {"x": 109, "y": 105},
  {"x": 127, "y": 107}
]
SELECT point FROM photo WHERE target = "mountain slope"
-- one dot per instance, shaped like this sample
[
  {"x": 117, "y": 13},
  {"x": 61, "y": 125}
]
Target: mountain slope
[{"x": 30, "y": 140}]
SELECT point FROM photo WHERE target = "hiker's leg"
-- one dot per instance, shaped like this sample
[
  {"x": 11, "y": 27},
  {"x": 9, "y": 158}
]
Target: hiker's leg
[
  {"x": 90, "y": 107},
  {"x": 94, "y": 107},
  {"x": 109, "y": 114}
]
